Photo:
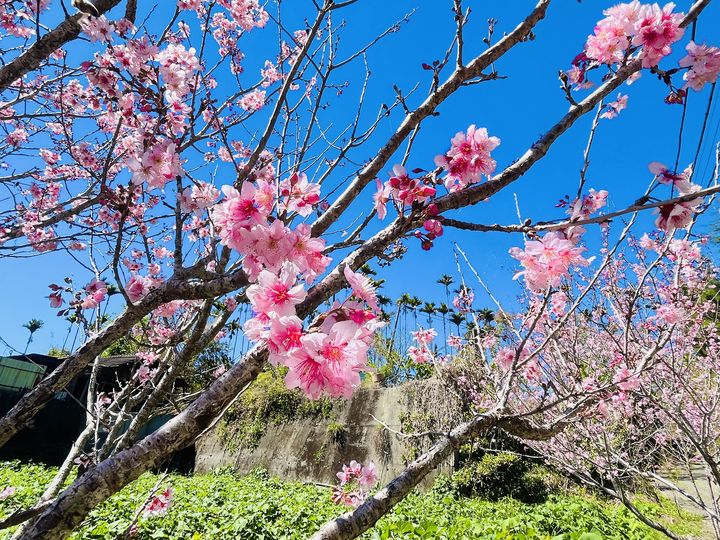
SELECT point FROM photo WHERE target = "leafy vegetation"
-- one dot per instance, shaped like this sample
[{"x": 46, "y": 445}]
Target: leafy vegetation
[
  {"x": 219, "y": 506},
  {"x": 494, "y": 476}
]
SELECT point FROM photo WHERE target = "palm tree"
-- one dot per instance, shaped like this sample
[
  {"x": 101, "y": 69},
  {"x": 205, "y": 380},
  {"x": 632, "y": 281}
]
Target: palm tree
[
  {"x": 402, "y": 304},
  {"x": 486, "y": 315},
  {"x": 443, "y": 310},
  {"x": 383, "y": 300},
  {"x": 33, "y": 325},
  {"x": 446, "y": 280},
  {"x": 429, "y": 308},
  {"x": 414, "y": 303},
  {"x": 457, "y": 319}
]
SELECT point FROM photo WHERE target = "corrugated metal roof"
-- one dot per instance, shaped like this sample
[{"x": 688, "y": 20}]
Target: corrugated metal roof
[{"x": 118, "y": 360}]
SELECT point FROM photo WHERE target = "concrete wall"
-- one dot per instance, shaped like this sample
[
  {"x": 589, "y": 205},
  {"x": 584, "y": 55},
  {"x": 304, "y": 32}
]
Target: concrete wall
[{"x": 304, "y": 450}]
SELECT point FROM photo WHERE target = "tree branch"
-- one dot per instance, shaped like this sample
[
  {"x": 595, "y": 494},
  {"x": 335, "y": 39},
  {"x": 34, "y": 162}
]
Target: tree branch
[{"x": 66, "y": 31}]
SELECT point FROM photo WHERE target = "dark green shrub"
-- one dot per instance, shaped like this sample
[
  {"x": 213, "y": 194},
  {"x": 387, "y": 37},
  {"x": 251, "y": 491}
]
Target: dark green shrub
[{"x": 494, "y": 476}]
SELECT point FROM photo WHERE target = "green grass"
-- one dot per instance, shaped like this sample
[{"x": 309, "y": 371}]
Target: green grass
[{"x": 219, "y": 506}]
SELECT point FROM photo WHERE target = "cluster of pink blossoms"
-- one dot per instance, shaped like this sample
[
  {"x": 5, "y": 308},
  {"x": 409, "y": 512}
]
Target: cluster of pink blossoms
[
  {"x": 647, "y": 26},
  {"x": 548, "y": 259},
  {"x": 328, "y": 358},
  {"x": 422, "y": 353},
  {"x": 355, "y": 481},
  {"x": 299, "y": 195},
  {"x": 465, "y": 163},
  {"x": 703, "y": 63},
  {"x": 402, "y": 189},
  {"x": 505, "y": 356},
  {"x": 159, "y": 504},
  {"x": 17, "y": 20},
  {"x": 199, "y": 197},
  {"x": 89, "y": 297},
  {"x": 177, "y": 67},
  {"x": 463, "y": 300},
  {"x": 242, "y": 223},
  {"x": 146, "y": 371},
  {"x": 614, "y": 107},
  {"x": 468, "y": 158},
  {"x": 96, "y": 292},
  {"x": 244, "y": 15},
  {"x": 650, "y": 31},
  {"x": 137, "y": 287},
  {"x": 676, "y": 215},
  {"x": 455, "y": 342},
  {"x": 156, "y": 166}
]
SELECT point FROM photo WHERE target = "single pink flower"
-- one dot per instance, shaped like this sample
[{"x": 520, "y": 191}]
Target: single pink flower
[{"x": 362, "y": 288}]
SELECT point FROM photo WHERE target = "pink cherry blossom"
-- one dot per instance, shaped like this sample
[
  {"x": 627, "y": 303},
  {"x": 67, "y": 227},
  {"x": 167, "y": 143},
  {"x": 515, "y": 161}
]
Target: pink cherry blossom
[
  {"x": 159, "y": 504},
  {"x": 626, "y": 380},
  {"x": 504, "y": 358},
  {"x": 548, "y": 260},
  {"x": 406, "y": 190},
  {"x": 156, "y": 166},
  {"x": 198, "y": 197},
  {"x": 362, "y": 288},
  {"x": 614, "y": 107},
  {"x": 424, "y": 336},
  {"x": 647, "y": 26},
  {"x": 138, "y": 286},
  {"x": 665, "y": 176},
  {"x": 381, "y": 198},
  {"x": 276, "y": 294},
  {"x": 463, "y": 300},
  {"x": 299, "y": 195},
  {"x": 368, "y": 475},
  {"x": 420, "y": 355},
  {"x": 468, "y": 158},
  {"x": 703, "y": 63},
  {"x": 56, "y": 299},
  {"x": 254, "y": 101},
  {"x": 285, "y": 334},
  {"x": 96, "y": 292},
  {"x": 355, "y": 480},
  {"x": 679, "y": 215},
  {"x": 309, "y": 374},
  {"x": 670, "y": 314},
  {"x": 657, "y": 29},
  {"x": 434, "y": 227}
]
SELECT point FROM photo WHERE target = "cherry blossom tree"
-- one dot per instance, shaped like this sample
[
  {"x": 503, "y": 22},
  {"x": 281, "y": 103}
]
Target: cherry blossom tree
[{"x": 116, "y": 124}]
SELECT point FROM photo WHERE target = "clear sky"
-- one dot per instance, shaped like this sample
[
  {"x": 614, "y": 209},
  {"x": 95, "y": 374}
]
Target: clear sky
[{"x": 517, "y": 109}]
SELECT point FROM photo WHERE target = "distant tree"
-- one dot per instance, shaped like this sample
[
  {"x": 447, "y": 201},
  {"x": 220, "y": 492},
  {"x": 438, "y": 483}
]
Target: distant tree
[
  {"x": 457, "y": 319},
  {"x": 58, "y": 352},
  {"x": 446, "y": 280},
  {"x": 32, "y": 326}
]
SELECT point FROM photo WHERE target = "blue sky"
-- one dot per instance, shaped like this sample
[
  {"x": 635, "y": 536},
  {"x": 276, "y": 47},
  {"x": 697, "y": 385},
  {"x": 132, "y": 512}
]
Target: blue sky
[{"x": 518, "y": 110}]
